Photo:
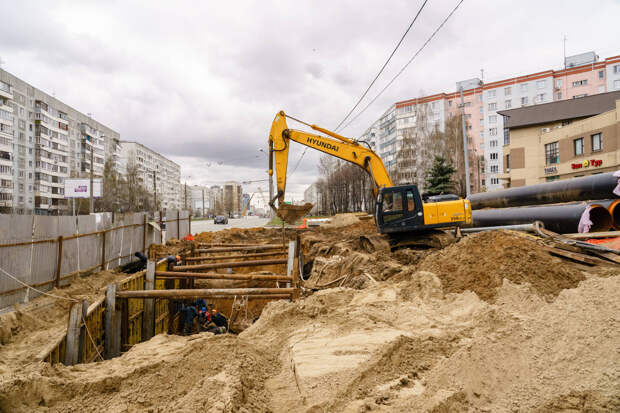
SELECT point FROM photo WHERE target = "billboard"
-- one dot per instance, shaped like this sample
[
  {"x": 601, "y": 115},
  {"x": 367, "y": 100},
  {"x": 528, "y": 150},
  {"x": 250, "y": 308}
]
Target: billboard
[{"x": 80, "y": 188}]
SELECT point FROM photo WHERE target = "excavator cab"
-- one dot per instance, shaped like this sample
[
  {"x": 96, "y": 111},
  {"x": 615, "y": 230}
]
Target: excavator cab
[{"x": 399, "y": 209}]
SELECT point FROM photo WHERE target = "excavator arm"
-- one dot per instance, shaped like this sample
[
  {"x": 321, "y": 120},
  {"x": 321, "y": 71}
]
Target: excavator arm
[{"x": 280, "y": 138}]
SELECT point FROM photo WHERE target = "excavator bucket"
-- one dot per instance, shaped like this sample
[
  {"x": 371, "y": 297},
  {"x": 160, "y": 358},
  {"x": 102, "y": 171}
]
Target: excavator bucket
[{"x": 293, "y": 213}]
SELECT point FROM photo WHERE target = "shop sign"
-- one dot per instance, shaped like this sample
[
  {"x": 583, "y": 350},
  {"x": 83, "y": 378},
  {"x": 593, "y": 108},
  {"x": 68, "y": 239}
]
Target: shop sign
[
  {"x": 551, "y": 170},
  {"x": 587, "y": 164}
]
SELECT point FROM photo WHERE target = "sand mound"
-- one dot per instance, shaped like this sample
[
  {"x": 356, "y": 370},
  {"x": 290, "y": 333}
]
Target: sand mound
[{"x": 480, "y": 262}]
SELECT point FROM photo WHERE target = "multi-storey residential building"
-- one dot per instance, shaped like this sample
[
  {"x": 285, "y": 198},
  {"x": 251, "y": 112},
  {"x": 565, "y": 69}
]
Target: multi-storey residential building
[
  {"x": 584, "y": 75},
  {"x": 154, "y": 172},
  {"x": 43, "y": 141},
  {"x": 231, "y": 197}
]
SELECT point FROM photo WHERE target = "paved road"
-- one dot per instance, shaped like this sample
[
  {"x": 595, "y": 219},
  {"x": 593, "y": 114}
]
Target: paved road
[{"x": 248, "y": 222}]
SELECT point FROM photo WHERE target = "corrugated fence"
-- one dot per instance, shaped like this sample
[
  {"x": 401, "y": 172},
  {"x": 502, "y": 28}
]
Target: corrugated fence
[{"x": 48, "y": 251}]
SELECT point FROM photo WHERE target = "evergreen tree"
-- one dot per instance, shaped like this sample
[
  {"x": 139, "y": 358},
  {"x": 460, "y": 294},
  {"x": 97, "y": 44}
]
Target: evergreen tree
[{"x": 439, "y": 179}]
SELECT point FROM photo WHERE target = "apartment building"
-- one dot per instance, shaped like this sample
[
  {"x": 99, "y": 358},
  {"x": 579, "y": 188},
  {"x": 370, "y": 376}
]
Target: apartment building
[
  {"x": 43, "y": 141},
  {"x": 565, "y": 139},
  {"x": 155, "y": 172},
  {"x": 584, "y": 75},
  {"x": 232, "y": 197}
]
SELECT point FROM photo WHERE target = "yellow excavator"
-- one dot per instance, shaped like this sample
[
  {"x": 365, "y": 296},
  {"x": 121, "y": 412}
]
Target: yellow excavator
[{"x": 399, "y": 210}]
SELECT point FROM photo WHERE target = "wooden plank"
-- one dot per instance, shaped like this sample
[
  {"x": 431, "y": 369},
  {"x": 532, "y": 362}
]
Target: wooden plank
[
  {"x": 148, "y": 318},
  {"x": 212, "y": 258},
  {"x": 218, "y": 276},
  {"x": 573, "y": 255},
  {"x": 244, "y": 248},
  {"x": 199, "y": 293},
  {"x": 112, "y": 333},
  {"x": 590, "y": 235},
  {"x": 290, "y": 264},
  {"x": 83, "y": 334},
  {"x": 230, "y": 264},
  {"x": 73, "y": 335}
]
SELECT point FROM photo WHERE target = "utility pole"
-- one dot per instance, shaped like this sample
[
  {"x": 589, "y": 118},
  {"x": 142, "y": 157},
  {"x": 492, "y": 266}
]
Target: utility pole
[
  {"x": 270, "y": 178},
  {"x": 203, "y": 202},
  {"x": 465, "y": 149},
  {"x": 92, "y": 209},
  {"x": 155, "y": 187},
  {"x": 185, "y": 202}
]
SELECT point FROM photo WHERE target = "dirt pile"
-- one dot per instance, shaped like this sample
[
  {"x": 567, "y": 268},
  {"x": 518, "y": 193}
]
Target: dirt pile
[
  {"x": 482, "y": 261},
  {"x": 488, "y": 324}
]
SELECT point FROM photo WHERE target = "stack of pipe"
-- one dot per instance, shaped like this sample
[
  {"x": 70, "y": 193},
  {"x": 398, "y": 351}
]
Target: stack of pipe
[{"x": 522, "y": 205}]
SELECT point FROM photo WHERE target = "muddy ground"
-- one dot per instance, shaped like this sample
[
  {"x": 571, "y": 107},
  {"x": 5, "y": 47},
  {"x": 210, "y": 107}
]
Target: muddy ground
[{"x": 488, "y": 324}]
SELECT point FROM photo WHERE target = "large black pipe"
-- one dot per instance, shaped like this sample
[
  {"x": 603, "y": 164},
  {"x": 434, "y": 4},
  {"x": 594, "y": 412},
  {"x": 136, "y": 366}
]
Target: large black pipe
[
  {"x": 576, "y": 189},
  {"x": 562, "y": 219},
  {"x": 613, "y": 206}
]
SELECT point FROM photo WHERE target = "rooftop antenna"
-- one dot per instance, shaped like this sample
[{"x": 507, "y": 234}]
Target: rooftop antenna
[
  {"x": 482, "y": 75},
  {"x": 564, "y": 51}
]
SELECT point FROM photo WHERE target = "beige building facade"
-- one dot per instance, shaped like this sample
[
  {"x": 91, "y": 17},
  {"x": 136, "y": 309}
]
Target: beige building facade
[{"x": 570, "y": 146}]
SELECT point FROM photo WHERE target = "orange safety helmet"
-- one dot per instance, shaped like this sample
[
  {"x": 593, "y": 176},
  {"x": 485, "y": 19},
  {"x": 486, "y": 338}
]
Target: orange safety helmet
[{"x": 178, "y": 257}]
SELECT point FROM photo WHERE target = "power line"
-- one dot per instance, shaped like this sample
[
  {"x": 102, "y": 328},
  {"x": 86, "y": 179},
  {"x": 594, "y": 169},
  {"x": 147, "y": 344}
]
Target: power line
[
  {"x": 406, "y": 65},
  {"x": 384, "y": 65}
]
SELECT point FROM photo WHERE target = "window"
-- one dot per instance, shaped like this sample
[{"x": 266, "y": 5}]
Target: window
[
  {"x": 552, "y": 153},
  {"x": 508, "y": 104},
  {"x": 541, "y": 84},
  {"x": 616, "y": 69},
  {"x": 558, "y": 83},
  {"x": 494, "y": 181},
  {"x": 507, "y": 91},
  {"x": 580, "y": 96},
  {"x": 616, "y": 84},
  {"x": 449, "y": 103},
  {"x": 493, "y": 119},
  {"x": 552, "y": 178},
  {"x": 597, "y": 142},
  {"x": 493, "y": 132},
  {"x": 580, "y": 83},
  {"x": 507, "y": 166},
  {"x": 481, "y": 109},
  {"x": 523, "y": 87},
  {"x": 493, "y": 106},
  {"x": 578, "y": 145},
  {"x": 468, "y": 116},
  {"x": 481, "y": 121},
  {"x": 559, "y": 95},
  {"x": 493, "y": 169},
  {"x": 493, "y": 156},
  {"x": 410, "y": 201},
  {"x": 601, "y": 74},
  {"x": 491, "y": 94},
  {"x": 524, "y": 100},
  {"x": 506, "y": 136},
  {"x": 540, "y": 98},
  {"x": 493, "y": 143},
  {"x": 601, "y": 89}
]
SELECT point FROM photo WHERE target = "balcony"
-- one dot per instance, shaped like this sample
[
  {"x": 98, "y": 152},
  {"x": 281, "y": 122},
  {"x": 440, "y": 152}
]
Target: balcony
[{"x": 6, "y": 90}]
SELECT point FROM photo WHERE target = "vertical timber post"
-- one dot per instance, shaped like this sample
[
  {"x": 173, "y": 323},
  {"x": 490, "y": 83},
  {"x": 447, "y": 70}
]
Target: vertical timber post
[
  {"x": 73, "y": 334},
  {"x": 148, "y": 317},
  {"x": 144, "y": 227},
  {"x": 83, "y": 333},
  {"x": 59, "y": 262},
  {"x": 179, "y": 223},
  {"x": 291, "y": 261},
  {"x": 112, "y": 327},
  {"x": 103, "y": 250}
]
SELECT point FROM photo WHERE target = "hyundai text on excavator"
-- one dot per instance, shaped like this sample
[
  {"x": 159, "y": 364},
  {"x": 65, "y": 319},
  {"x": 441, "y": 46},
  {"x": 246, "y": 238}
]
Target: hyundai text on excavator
[{"x": 399, "y": 210}]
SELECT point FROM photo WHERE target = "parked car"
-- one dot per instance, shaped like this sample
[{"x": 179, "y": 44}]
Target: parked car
[{"x": 220, "y": 219}]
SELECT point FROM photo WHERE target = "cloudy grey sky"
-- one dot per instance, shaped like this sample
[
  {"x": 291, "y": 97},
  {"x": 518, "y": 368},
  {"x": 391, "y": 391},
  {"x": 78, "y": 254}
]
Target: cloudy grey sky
[{"x": 200, "y": 81}]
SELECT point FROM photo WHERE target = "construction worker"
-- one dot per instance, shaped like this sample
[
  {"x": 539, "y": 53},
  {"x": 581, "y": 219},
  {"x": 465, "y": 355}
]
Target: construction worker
[
  {"x": 190, "y": 313},
  {"x": 204, "y": 318},
  {"x": 135, "y": 266},
  {"x": 172, "y": 261},
  {"x": 221, "y": 322}
]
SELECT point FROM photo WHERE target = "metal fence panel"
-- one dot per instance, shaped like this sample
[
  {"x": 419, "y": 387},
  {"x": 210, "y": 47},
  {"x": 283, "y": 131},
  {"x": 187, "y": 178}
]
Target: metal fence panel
[
  {"x": 113, "y": 241},
  {"x": 126, "y": 246},
  {"x": 14, "y": 260},
  {"x": 67, "y": 226},
  {"x": 184, "y": 224},
  {"x": 45, "y": 255},
  {"x": 88, "y": 245},
  {"x": 171, "y": 230}
]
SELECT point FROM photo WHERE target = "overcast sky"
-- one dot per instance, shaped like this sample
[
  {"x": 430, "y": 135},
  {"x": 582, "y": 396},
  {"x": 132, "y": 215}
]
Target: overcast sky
[{"x": 200, "y": 81}]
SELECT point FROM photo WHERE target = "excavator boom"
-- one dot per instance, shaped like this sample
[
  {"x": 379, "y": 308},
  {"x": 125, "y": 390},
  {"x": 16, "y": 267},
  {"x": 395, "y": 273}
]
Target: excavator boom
[{"x": 336, "y": 145}]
